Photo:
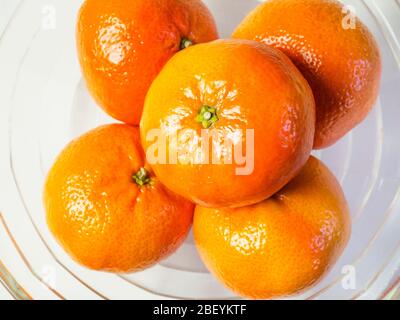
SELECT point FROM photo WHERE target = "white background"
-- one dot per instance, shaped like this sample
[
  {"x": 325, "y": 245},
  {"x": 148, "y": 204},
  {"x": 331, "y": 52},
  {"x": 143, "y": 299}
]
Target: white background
[{"x": 7, "y": 8}]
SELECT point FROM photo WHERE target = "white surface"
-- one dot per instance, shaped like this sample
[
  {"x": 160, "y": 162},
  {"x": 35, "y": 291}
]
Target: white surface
[
  {"x": 4, "y": 294},
  {"x": 7, "y": 8},
  {"x": 48, "y": 92}
]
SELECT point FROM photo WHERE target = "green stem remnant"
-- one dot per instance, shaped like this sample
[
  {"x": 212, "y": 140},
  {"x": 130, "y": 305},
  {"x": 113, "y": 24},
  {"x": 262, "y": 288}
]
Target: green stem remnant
[
  {"x": 142, "y": 177},
  {"x": 185, "y": 43},
  {"x": 207, "y": 116}
]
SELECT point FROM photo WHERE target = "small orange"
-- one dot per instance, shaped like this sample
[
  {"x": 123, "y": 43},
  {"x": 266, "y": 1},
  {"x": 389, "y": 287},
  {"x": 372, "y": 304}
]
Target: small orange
[
  {"x": 123, "y": 44},
  {"x": 332, "y": 48},
  {"x": 281, "y": 246},
  {"x": 107, "y": 209},
  {"x": 250, "y": 101}
]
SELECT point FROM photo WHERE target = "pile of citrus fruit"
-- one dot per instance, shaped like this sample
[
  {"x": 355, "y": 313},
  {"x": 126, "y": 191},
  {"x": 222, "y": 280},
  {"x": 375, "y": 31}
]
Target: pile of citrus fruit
[{"x": 216, "y": 133}]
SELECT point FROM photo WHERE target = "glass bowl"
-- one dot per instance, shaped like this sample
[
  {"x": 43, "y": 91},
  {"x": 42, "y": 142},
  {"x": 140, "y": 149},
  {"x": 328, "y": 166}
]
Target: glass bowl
[{"x": 44, "y": 104}]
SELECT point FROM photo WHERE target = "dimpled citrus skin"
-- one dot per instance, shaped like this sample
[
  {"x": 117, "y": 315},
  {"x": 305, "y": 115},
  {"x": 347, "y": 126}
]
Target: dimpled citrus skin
[
  {"x": 100, "y": 216},
  {"x": 342, "y": 65},
  {"x": 252, "y": 87},
  {"x": 123, "y": 44},
  {"x": 282, "y": 245}
]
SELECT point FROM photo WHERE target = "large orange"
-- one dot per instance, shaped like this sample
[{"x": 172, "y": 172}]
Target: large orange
[
  {"x": 232, "y": 91},
  {"x": 107, "y": 209},
  {"x": 282, "y": 245},
  {"x": 341, "y": 63},
  {"x": 123, "y": 44}
]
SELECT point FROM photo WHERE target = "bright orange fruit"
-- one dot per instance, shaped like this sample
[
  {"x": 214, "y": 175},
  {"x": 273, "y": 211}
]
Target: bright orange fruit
[
  {"x": 229, "y": 90},
  {"x": 107, "y": 209},
  {"x": 282, "y": 245},
  {"x": 342, "y": 64},
  {"x": 122, "y": 45}
]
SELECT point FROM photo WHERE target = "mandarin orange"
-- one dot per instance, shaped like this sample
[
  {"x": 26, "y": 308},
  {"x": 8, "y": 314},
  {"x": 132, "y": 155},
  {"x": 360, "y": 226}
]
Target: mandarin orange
[
  {"x": 282, "y": 245},
  {"x": 333, "y": 49},
  {"x": 106, "y": 207},
  {"x": 237, "y": 117},
  {"x": 122, "y": 45}
]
